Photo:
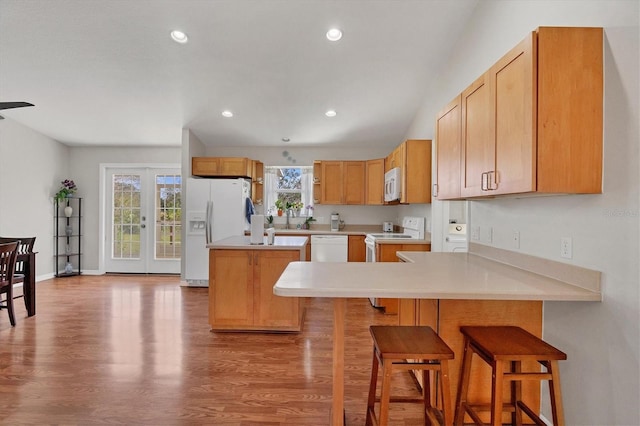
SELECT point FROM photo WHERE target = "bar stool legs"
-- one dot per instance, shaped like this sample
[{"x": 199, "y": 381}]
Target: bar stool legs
[
  {"x": 504, "y": 348},
  {"x": 409, "y": 348}
]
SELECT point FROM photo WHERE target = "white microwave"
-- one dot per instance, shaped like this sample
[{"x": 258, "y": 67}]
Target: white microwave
[{"x": 392, "y": 186}]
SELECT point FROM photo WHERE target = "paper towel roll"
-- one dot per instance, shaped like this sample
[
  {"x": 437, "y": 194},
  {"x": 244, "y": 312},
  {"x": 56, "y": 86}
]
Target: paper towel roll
[{"x": 257, "y": 229}]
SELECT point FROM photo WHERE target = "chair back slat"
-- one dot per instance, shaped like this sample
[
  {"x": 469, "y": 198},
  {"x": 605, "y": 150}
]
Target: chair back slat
[
  {"x": 8, "y": 254},
  {"x": 25, "y": 246}
]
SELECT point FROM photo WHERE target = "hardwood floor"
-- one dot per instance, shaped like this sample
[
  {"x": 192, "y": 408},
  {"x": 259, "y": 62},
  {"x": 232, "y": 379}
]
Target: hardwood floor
[{"x": 138, "y": 350}]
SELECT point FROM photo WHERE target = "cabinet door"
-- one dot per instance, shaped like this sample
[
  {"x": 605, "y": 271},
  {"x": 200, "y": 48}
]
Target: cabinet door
[
  {"x": 234, "y": 166},
  {"x": 357, "y": 249},
  {"x": 448, "y": 141},
  {"x": 416, "y": 172},
  {"x": 353, "y": 182},
  {"x": 478, "y": 147},
  {"x": 272, "y": 310},
  {"x": 317, "y": 182},
  {"x": 374, "y": 185},
  {"x": 257, "y": 182},
  {"x": 204, "y": 166},
  {"x": 513, "y": 85},
  {"x": 230, "y": 288},
  {"x": 331, "y": 182}
]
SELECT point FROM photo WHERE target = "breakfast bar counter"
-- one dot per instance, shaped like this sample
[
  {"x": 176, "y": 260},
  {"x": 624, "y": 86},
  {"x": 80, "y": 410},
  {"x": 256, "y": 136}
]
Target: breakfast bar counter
[{"x": 446, "y": 290}]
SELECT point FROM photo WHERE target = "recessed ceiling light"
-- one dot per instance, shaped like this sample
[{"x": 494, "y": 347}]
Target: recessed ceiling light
[
  {"x": 330, "y": 113},
  {"x": 179, "y": 36},
  {"x": 227, "y": 114},
  {"x": 285, "y": 139},
  {"x": 334, "y": 34}
]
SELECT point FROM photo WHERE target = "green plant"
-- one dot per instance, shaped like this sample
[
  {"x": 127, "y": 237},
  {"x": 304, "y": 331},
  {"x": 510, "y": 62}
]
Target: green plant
[
  {"x": 68, "y": 187},
  {"x": 270, "y": 219},
  {"x": 279, "y": 204}
]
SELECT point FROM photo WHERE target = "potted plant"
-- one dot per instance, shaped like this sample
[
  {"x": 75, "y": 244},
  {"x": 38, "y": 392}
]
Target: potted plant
[
  {"x": 67, "y": 188},
  {"x": 307, "y": 222},
  {"x": 279, "y": 206},
  {"x": 270, "y": 221}
]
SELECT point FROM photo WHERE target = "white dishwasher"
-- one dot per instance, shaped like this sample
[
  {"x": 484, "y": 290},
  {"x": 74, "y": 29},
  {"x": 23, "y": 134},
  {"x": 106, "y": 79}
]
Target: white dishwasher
[{"x": 329, "y": 248}]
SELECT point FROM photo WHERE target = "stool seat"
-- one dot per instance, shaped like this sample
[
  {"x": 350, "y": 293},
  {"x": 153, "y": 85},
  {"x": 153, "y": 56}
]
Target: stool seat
[
  {"x": 511, "y": 343},
  {"x": 504, "y": 348},
  {"x": 409, "y": 348}
]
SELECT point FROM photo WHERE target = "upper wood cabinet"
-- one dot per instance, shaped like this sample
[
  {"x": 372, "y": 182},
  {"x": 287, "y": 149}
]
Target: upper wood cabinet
[
  {"x": 448, "y": 155},
  {"x": 317, "y": 182},
  {"x": 342, "y": 182},
  {"x": 532, "y": 123},
  {"x": 221, "y": 167},
  {"x": 477, "y": 140},
  {"x": 257, "y": 182},
  {"x": 374, "y": 182},
  {"x": 414, "y": 159}
]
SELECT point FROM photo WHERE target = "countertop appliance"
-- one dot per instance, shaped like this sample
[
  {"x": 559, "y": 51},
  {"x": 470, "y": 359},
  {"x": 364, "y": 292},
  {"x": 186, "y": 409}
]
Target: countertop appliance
[
  {"x": 456, "y": 239},
  {"x": 329, "y": 248},
  {"x": 216, "y": 209},
  {"x": 413, "y": 229},
  {"x": 392, "y": 185},
  {"x": 335, "y": 222},
  {"x": 387, "y": 226}
]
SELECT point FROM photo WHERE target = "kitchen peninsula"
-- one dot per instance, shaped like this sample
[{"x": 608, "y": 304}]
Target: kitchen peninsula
[
  {"x": 241, "y": 279},
  {"x": 483, "y": 287}
]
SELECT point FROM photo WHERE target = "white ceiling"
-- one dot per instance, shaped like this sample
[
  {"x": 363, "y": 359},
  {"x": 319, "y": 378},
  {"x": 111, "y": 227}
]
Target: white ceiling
[{"x": 108, "y": 73}]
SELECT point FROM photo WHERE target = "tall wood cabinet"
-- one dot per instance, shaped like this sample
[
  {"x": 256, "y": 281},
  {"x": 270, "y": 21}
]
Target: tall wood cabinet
[
  {"x": 532, "y": 123},
  {"x": 241, "y": 291}
]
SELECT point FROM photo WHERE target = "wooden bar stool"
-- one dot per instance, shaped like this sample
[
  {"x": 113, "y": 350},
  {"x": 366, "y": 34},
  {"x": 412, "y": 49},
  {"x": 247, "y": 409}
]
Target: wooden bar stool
[
  {"x": 409, "y": 348},
  {"x": 504, "y": 348}
]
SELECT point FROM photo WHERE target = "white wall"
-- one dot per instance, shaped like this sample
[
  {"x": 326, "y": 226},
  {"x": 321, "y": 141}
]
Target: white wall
[
  {"x": 31, "y": 168},
  {"x": 601, "y": 377}
]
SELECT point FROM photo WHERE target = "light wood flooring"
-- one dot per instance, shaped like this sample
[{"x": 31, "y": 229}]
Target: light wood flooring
[{"x": 138, "y": 350}]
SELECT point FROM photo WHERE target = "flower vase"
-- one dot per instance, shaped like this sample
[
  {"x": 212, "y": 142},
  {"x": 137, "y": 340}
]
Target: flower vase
[
  {"x": 68, "y": 211},
  {"x": 68, "y": 269}
]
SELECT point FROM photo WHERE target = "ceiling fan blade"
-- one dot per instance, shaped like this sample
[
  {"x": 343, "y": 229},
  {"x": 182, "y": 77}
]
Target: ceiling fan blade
[{"x": 8, "y": 105}]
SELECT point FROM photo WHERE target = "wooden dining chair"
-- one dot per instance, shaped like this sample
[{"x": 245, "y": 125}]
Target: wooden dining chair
[
  {"x": 23, "y": 257},
  {"x": 8, "y": 254}
]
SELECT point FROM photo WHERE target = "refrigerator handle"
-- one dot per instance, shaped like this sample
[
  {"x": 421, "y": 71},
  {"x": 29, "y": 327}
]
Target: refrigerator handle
[{"x": 207, "y": 223}]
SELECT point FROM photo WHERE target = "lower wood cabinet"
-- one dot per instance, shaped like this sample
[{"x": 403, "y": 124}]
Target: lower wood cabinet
[
  {"x": 387, "y": 253},
  {"x": 241, "y": 291},
  {"x": 357, "y": 251},
  {"x": 447, "y": 316}
]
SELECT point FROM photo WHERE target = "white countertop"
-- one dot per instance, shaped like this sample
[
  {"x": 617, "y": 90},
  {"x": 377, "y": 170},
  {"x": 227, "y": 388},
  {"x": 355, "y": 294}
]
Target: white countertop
[
  {"x": 435, "y": 276},
  {"x": 242, "y": 242}
]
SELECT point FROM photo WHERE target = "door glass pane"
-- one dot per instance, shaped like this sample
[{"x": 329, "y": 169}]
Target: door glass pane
[
  {"x": 168, "y": 210},
  {"x": 126, "y": 216}
]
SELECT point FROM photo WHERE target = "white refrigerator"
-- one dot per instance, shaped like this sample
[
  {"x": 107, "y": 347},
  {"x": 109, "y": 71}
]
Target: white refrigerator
[{"x": 216, "y": 209}]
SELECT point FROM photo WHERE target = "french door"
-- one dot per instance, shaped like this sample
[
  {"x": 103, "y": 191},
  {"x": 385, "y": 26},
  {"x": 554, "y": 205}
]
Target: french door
[{"x": 143, "y": 220}]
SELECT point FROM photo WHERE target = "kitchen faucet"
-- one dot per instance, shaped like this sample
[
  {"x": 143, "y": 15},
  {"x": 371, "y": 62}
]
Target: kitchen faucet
[{"x": 288, "y": 212}]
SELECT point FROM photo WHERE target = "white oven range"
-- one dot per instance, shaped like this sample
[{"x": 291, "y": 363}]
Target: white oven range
[{"x": 413, "y": 229}]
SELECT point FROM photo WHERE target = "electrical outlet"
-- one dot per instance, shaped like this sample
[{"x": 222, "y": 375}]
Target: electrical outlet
[
  {"x": 487, "y": 234},
  {"x": 566, "y": 247},
  {"x": 475, "y": 233},
  {"x": 516, "y": 239}
]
